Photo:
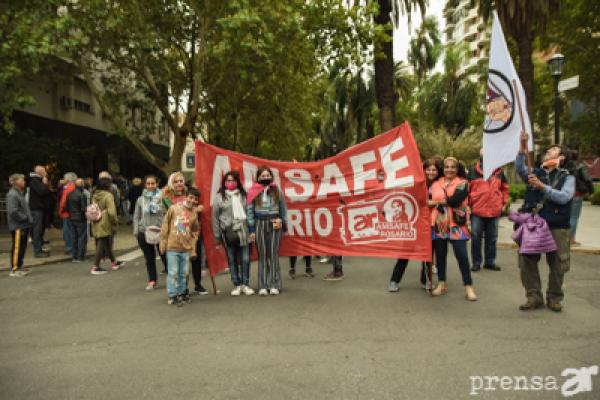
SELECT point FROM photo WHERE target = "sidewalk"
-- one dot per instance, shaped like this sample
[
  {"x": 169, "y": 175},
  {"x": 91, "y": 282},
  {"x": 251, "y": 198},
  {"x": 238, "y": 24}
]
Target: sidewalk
[
  {"x": 588, "y": 230},
  {"x": 124, "y": 241}
]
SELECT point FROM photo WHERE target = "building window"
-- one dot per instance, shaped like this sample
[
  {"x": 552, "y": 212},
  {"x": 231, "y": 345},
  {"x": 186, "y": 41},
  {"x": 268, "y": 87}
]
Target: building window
[{"x": 190, "y": 160}]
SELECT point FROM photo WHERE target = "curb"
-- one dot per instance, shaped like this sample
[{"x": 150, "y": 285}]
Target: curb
[
  {"x": 579, "y": 250},
  {"x": 66, "y": 258}
]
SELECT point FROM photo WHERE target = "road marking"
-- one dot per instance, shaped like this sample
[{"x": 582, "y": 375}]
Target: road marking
[{"x": 132, "y": 255}]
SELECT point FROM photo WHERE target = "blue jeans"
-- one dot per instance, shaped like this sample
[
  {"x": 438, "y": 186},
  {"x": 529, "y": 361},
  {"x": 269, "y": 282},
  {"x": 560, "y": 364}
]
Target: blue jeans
[
  {"x": 238, "y": 258},
  {"x": 67, "y": 236},
  {"x": 576, "y": 206},
  {"x": 178, "y": 270},
  {"x": 484, "y": 227},
  {"x": 79, "y": 239}
]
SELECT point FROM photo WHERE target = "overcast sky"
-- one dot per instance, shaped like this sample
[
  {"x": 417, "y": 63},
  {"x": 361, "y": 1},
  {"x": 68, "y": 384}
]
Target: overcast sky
[{"x": 402, "y": 35}]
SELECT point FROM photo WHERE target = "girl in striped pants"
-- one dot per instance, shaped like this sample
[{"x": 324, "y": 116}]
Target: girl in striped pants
[{"x": 266, "y": 221}]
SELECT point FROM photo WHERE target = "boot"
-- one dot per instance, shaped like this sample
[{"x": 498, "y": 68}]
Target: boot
[
  {"x": 440, "y": 289},
  {"x": 470, "y": 293}
]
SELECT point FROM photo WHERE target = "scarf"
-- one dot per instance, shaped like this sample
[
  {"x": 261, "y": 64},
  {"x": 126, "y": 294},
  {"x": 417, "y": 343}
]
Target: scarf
[
  {"x": 236, "y": 204},
  {"x": 151, "y": 200},
  {"x": 256, "y": 189}
]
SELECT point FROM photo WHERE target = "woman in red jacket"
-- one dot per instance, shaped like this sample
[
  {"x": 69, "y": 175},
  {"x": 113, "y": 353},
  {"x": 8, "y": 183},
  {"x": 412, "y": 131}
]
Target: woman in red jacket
[{"x": 450, "y": 219}]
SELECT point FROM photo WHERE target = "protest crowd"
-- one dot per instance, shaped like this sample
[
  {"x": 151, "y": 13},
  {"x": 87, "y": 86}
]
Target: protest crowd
[{"x": 166, "y": 222}]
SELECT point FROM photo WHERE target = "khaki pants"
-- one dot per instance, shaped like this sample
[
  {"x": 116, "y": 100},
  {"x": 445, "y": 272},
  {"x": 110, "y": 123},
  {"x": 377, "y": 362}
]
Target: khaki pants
[{"x": 559, "y": 263}]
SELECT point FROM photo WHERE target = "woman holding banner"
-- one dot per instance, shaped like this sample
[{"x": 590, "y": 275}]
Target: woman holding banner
[
  {"x": 433, "y": 169},
  {"x": 267, "y": 212},
  {"x": 450, "y": 219},
  {"x": 230, "y": 227}
]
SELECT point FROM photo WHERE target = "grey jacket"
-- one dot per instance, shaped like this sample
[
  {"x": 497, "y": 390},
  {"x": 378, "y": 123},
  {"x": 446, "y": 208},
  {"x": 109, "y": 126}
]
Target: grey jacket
[
  {"x": 143, "y": 219},
  {"x": 17, "y": 209},
  {"x": 222, "y": 217}
]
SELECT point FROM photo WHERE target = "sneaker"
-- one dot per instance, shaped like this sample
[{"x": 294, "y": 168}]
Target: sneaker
[
  {"x": 475, "y": 267},
  {"x": 292, "y": 273},
  {"x": 185, "y": 298},
  {"x": 324, "y": 260},
  {"x": 393, "y": 287},
  {"x": 556, "y": 307},
  {"x": 200, "y": 291},
  {"x": 151, "y": 285},
  {"x": 247, "y": 290},
  {"x": 492, "y": 267},
  {"x": 274, "y": 292},
  {"x": 236, "y": 291},
  {"x": 76, "y": 261},
  {"x": 120, "y": 263},
  {"x": 309, "y": 273},
  {"x": 17, "y": 274},
  {"x": 179, "y": 301},
  {"x": 42, "y": 254},
  {"x": 334, "y": 276},
  {"x": 172, "y": 300},
  {"x": 531, "y": 305},
  {"x": 263, "y": 292},
  {"x": 97, "y": 271}
]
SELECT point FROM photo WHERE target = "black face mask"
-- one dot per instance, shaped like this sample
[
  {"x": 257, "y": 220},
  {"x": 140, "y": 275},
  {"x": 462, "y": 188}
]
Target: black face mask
[{"x": 265, "y": 182}]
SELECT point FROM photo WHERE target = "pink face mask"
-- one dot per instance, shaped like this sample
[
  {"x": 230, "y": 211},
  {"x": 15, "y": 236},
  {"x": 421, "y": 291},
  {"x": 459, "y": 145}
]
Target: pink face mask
[{"x": 231, "y": 185}]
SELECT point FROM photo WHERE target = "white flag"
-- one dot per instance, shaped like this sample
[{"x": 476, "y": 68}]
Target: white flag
[{"x": 502, "y": 125}]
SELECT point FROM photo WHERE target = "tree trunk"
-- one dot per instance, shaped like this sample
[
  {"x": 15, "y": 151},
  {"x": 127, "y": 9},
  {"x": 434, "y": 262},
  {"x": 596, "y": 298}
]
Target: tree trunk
[
  {"x": 384, "y": 71},
  {"x": 524, "y": 42},
  {"x": 174, "y": 164}
]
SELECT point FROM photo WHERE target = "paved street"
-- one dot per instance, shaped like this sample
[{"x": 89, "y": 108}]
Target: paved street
[{"x": 68, "y": 335}]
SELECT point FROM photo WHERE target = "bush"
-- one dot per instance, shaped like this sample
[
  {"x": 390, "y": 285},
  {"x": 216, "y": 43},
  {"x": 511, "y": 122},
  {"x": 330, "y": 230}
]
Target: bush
[
  {"x": 517, "y": 191},
  {"x": 595, "y": 198}
]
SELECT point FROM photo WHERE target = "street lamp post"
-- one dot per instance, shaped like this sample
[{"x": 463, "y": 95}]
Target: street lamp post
[{"x": 556, "y": 65}]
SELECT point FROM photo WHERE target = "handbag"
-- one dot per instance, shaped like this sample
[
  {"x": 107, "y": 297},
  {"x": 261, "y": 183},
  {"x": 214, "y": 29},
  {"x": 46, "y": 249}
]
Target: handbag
[
  {"x": 231, "y": 236},
  {"x": 152, "y": 234},
  {"x": 459, "y": 216}
]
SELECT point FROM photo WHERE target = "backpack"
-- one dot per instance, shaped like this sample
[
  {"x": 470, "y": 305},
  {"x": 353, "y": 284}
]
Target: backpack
[
  {"x": 583, "y": 183},
  {"x": 93, "y": 212}
]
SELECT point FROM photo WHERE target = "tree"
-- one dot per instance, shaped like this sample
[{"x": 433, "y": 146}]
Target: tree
[
  {"x": 523, "y": 21},
  {"x": 425, "y": 49},
  {"x": 575, "y": 32},
  {"x": 448, "y": 97},
  {"x": 28, "y": 31},
  {"x": 384, "y": 61}
]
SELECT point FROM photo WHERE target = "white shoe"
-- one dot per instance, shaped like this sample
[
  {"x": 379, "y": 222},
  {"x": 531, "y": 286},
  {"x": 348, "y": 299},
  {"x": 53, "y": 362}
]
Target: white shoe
[
  {"x": 263, "y": 292},
  {"x": 17, "y": 274},
  {"x": 324, "y": 260},
  {"x": 236, "y": 291},
  {"x": 274, "y": 292},
  {"x": 247, "y": 290}
]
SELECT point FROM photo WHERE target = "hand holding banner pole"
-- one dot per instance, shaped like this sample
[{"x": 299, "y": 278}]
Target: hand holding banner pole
[{"x": 524, "y": 147}]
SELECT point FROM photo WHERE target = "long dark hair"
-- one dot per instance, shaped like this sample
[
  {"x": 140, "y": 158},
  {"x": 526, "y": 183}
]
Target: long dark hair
[
  {"x": 235, "y": 175},
  {"x": 439, "y": 166},
  {"x": 273, "y": 191}
]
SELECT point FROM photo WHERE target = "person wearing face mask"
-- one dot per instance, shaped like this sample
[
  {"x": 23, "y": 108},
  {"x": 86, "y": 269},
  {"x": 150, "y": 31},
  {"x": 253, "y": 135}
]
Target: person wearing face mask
[
  {"x": 550, "y": 191},
  {"x": 75, "y": 206},
  {"x": 267, "y": 213},
  {"x": 450, "y": 220},
  {"x": 230, "y": 229},
  {"x": 433, "y": 169},
  {"x": 178, "y": 236},
  {"x": 148, "y": 215}
]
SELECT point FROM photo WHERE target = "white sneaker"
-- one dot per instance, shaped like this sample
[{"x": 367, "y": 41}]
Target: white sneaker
[
  {"x": 263, "y": 292},
  {"x": 324, "y": 260},
  {"x": 248, "y": 291},
  {"x": 236, "y": 291},
  {"x": 17, "y": 274},
  {"x": 274, "y": 292}
]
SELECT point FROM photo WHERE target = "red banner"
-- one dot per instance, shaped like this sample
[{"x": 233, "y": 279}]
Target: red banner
[{"x": 369, "y": 200}]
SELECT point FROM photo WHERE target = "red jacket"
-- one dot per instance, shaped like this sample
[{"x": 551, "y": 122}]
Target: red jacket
[
  {"x": 62, "y": 210},
  {"x": 487, "y": 198}
]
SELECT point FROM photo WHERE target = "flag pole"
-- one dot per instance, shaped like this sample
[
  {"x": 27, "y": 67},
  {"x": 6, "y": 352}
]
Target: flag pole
[{"x": 529, "y": 164}]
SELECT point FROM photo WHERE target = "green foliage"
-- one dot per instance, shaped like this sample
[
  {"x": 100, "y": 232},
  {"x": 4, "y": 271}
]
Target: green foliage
[
  {"x": 432, "y": 142},
  {"x": 517, "y": 191},
  {"x": 425, "y": 49}
]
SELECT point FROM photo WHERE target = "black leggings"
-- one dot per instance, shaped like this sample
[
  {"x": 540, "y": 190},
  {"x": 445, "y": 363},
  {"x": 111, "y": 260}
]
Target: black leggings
[
  {"x": 150, "y": 251},
  {"x": 104, "y": 248},
  {"x": 307, "y": 261},
  {"x": 197, "y": 265},
  {"x": 460, "y": 252},
  {"x": 400, "y": 268}
]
